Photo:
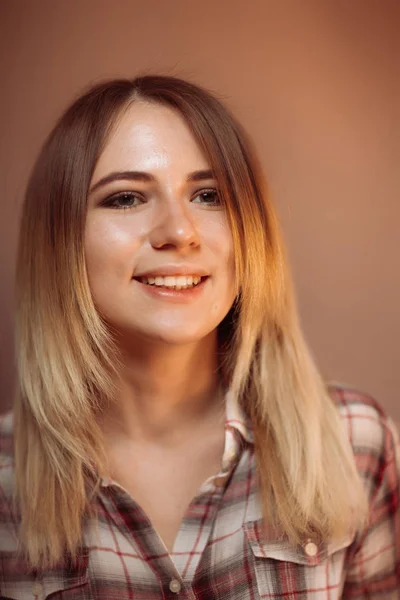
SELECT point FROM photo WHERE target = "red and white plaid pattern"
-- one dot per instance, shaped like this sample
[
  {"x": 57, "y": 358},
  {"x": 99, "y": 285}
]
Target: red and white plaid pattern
[{"x": 222, "y": 551}]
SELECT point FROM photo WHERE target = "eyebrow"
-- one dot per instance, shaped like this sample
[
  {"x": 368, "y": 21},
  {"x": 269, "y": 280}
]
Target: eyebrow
[{"x": 146, "y": 177}]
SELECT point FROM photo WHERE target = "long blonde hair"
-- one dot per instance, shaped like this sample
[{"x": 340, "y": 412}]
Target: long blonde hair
[{"x": 67, "y": 358}]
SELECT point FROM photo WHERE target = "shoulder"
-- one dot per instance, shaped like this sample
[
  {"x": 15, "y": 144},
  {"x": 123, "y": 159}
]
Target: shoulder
[
  {"x": 371, "y": 432},
  {"x": 366, "y": 422},
  {"x": 7, "y": 513}
]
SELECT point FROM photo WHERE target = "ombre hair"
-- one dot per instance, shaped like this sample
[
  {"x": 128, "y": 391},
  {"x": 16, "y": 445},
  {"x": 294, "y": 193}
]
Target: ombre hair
[{"x": 67, "y": 358}]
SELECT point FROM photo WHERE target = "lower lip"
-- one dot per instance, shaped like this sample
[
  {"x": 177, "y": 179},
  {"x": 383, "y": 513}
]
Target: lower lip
[{"x": 174, "y": 295}]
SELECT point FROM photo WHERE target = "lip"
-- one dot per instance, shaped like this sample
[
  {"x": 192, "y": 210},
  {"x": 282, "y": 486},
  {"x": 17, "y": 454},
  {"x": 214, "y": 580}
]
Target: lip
[
  {"x": 179, "y": 296},
  {"x": 174, "y": 271}
]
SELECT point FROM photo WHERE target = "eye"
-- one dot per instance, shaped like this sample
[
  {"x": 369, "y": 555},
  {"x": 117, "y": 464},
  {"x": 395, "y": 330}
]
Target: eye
[
  {"x": 209, "y": 197},
  {"x": 123, "y": 200}
]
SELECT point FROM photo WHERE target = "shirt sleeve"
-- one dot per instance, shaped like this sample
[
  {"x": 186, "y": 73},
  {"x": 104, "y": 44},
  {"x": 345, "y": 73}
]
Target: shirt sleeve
[{"x": 373, "y": 570}]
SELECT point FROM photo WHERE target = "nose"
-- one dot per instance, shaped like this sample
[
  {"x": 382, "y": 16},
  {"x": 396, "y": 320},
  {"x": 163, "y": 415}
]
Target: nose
[{"x": 174, "y": 229}]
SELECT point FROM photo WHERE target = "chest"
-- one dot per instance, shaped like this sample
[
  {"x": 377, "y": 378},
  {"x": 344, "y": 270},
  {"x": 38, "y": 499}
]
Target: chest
[
  {"x": 220, "y": 554},
  {"x": 164, "y": 484},
  {"x": 234, "y": 566}
]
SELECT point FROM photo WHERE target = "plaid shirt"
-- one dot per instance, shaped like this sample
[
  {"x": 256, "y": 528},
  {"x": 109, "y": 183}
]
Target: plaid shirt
[{"x": 221, "y": 552}]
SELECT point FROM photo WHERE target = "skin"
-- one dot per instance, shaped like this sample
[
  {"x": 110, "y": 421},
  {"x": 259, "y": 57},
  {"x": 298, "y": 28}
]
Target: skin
[{"x": 168, "y": 397}]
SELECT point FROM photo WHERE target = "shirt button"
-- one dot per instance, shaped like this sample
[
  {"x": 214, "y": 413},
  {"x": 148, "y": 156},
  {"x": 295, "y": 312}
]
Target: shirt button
[
  {"x": 311, "y": 549},
  {"x": 175, "y": 586},
  {"x": 37, "y": 589}
]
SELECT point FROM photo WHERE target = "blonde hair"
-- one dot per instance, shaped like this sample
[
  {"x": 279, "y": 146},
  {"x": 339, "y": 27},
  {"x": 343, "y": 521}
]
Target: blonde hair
[{"x": 67, "y": 358}]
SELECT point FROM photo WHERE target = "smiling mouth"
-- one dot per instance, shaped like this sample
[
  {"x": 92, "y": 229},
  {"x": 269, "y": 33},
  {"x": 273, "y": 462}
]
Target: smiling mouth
[{"x": 180, "y": 282}]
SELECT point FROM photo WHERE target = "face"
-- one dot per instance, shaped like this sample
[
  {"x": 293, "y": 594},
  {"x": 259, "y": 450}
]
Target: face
[{"x": 158, "y": 247}]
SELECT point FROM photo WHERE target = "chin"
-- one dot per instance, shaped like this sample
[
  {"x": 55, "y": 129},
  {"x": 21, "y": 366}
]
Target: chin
[
  {"x": 176, "y": 338},
  {"x": 172, "y": 335}
]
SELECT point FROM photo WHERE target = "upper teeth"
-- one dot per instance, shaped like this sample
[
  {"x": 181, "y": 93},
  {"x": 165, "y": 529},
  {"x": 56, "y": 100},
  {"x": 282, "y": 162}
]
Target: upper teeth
[{"x": 180, "y": 280}]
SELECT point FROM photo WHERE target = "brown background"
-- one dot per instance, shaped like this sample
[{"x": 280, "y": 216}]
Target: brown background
[{"x": 317, "y": 86}]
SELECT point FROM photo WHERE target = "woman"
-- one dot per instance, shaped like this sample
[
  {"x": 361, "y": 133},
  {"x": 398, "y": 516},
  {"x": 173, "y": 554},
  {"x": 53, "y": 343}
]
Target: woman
[{"x": 172, "y": 435}]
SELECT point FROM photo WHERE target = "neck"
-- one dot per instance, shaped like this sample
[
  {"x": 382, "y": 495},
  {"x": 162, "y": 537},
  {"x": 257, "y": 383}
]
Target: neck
[{"x": 165, "y": 392}]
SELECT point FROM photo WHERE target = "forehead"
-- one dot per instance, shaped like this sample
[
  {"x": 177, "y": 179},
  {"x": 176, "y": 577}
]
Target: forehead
[{"x": 151, "y": 137}]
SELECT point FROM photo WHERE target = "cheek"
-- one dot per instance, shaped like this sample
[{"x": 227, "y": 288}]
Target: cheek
[
  {"x": 109, "y": 251},
  {"x": 109, "y": 247},
  {"x": 220, "y": 242}
]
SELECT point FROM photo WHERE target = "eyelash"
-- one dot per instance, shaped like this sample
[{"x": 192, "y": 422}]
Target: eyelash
[{"x": 109, "y": 202}]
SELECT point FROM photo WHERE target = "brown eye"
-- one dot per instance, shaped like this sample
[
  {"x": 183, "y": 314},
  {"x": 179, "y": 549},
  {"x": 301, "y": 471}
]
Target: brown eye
[
  {"x": 123, "y": 200},
  {"x": 207, "y": 197}
]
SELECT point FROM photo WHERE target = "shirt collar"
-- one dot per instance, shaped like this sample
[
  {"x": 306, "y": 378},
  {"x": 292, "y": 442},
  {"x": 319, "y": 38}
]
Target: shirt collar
[{"x": 236, "y": 418}]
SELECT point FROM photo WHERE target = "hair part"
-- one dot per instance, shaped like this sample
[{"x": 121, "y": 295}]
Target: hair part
[{"x": 68, "y": 360}]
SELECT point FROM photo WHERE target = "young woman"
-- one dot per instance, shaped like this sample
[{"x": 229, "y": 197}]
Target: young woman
[{"x": 171, "y": 436}]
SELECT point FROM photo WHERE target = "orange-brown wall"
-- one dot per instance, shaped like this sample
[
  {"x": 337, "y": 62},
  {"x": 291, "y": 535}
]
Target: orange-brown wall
[{"x": 317, "y": 86}]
